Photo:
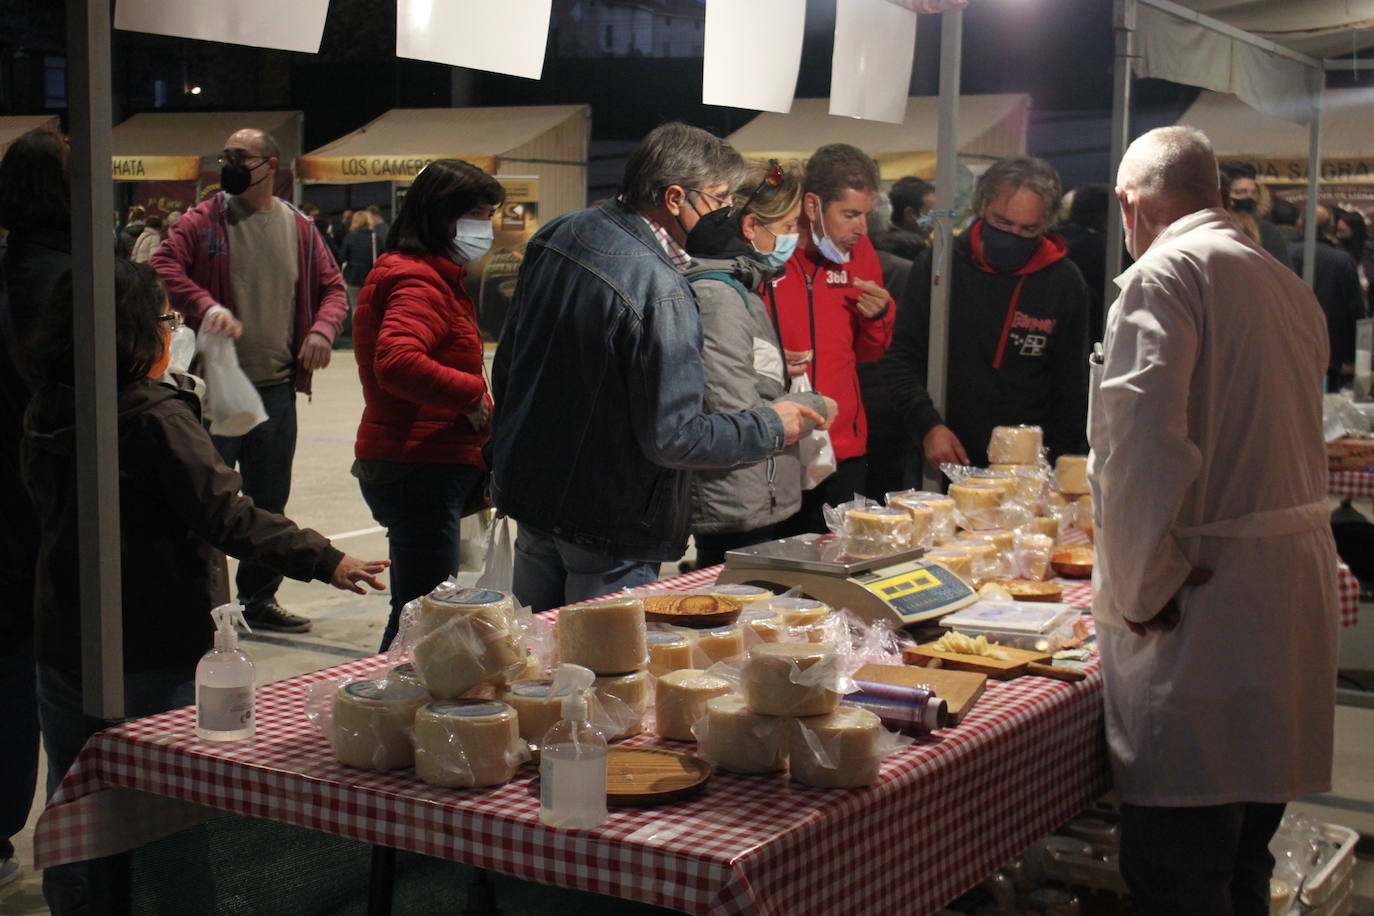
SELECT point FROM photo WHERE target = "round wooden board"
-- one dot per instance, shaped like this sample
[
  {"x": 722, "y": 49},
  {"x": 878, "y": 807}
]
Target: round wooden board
[
  {"x": 1031, "y": 589},
  {"x": 645, "y": 776},
  {"x": 696, "y": 611},
  {"x": 1073, "y": 562}
]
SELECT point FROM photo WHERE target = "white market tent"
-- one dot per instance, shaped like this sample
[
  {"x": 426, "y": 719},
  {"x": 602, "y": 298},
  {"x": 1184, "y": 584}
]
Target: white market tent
[
  {"x": 12, "y": 127},
  {"x": 181, "y": 145},
  {"x": 548, "y": 141},
  {"x": 990, "y": 127}
]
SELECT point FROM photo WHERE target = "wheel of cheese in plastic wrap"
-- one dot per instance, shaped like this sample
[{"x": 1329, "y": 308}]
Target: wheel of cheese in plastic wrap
[
  {"x": 975, "y": 501},
  {"x": 941, "y": 505},
  {"x": 1084, "y": 510},
  {"x": 465, "y": 651},
  {"x": 744, "y": 594},
  {"x": 680, "y": 700},
  {"x": 467, "y": 743},
  {"x": 841, "y": 750},
  {"x": 718, "y": 644},
  {"x": 763, "y": 623},
  {"x": 985, "y": 560},
  {"x": 922, "y": 519},
  {"x": 731, "y": 737},
  {"x": 1002, "y": 480},
  {"x": 799, "y": 612},
  {"x": 1071, "y": 474},
  {"x": 1015, "y": 445},
  {"x": 668, "y": 651},
  {"x": 954, "y": 559},
  {"x": 535, "y": 710},
  {"x": 605, "y": 636},
  {"x": 1047, "y": 525},
  {"x": 790, "y": 679},
  {"x": 442, "y": 605},
  {"x": 624, "y": 698},
  {"x": 1001, "y": 538},
  {"x": 373, "y": 721},
  {"x": 876, "y": 530}
]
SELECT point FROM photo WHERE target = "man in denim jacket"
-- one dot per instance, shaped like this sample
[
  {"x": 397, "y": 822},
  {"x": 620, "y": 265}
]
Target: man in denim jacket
[{"x": 598, "y": 381}]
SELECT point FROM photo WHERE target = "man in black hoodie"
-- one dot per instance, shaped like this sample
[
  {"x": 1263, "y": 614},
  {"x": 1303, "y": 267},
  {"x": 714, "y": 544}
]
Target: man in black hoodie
[{"x": 1018, "y": 326}]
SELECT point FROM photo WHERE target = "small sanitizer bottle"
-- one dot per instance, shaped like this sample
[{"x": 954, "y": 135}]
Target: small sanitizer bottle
[
  {"x": 572, "y": 759},
  {"x": 224, "y": 682}
]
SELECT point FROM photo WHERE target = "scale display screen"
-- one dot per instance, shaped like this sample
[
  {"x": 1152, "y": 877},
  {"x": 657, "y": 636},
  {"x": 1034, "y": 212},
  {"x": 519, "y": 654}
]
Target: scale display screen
[{"x": 916, "y": 593}]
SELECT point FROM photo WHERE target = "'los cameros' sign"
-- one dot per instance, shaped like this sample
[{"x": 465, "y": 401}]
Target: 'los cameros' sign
[
  {"x": 349, "y": 169},
  {"x": 1359, "y": 170}
]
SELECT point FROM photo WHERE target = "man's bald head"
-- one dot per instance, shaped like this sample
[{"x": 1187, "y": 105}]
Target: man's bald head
[{"x": 1173, "y": 164}]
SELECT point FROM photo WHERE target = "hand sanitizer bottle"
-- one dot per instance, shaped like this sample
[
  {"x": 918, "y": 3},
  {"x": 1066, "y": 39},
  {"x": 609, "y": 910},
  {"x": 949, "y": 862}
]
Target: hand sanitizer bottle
[
  {"x": 224, "y": 682},
  {"x": 572, "y": 759}
]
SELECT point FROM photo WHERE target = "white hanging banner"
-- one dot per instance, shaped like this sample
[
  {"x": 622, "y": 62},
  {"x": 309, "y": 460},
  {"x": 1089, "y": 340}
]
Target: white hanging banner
[
  {"x": 499, "y": 36},
  {"x": 870, "y": 73},
  {"x": 294, "y": 25},
  {"x": 745, "y": 69}
]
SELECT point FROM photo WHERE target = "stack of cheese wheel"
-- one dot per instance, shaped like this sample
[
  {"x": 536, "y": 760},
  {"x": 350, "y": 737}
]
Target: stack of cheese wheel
[
  {"x": 1002, "y": 480},
  {"x": 735, "y": 739},
  {"x": 1071, "y": 474},
  {"x": 611, "y": 638},
  {"x": 977, "y": 503},
  {"x": 940, "y": 505},
  {"x": 535, "y": 709},
  {"x": 953, "y": 558},
  {"x": 1015, "y": 445},
  {"x": 922, "y": 518},
  {"x": 680, "y": 700},
  {"x": 775, "y": 682},
  {"x": 669, "y": 650},
  {"x": 876, "y": 530},
  {"x": 839, "y": 750},
  {"x": 373, "y": 721},
  {"x": 623, "y": 699},
  {"x": 467, "y": 743},
  {"x": 469, "y": 638}
]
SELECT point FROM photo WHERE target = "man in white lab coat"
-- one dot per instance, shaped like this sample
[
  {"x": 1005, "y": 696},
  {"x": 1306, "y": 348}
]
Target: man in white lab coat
[{"x": 1215, "y": 585}]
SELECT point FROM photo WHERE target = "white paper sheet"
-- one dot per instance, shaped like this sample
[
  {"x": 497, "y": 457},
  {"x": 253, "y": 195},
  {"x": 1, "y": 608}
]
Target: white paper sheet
[
  {"x": 500, "y": 36},
  {"x": 753, "y": 51},
  {"x": 870, "y": 73},
  {"x": 288, "y": 25}
]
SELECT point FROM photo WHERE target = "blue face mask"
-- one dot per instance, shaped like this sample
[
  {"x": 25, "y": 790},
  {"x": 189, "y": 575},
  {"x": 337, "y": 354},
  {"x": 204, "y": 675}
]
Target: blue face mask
[
  {"x": 829, "y": 250},
  {"x": 783, "y": 246},
  {"x": 472, "y": 240}
]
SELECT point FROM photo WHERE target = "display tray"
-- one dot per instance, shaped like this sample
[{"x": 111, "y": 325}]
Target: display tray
[
  {"x": 1014, "y": 666},
  {"x": 692, "y": 610},
  {"x": 639, "y": 777}
]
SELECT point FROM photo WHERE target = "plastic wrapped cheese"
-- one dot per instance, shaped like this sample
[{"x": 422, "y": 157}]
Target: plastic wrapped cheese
[
  {"x": 445, "y": 603},
  {"x": 718, "y": 644},
  {"x": 790, "y": 679},
  {"x": 466, "y": 650},
  {"x": 985, "y": 560},
  {"x": 1048, "y": 526},
  {"x": 1071, "y": 474},
  {"x": 941, "y": 506},
  {"x": 841, "y": 750},
  {"x": 607, "y": 636},
  {"x": 799, "y": 612},
  {"x": 668, "y": 651},
  {"x": 1084, "y": 510},
  {"x": 954, "y": 559},
  {"x": 761, "y": 624},
  {"x": 535, "y": 709},
  {"x": 731, "y": 737},
  {"x": 467, "y": 743},
  {"x": 1031, "y": 555},
  {"x": 372, "y": 723},
  {"x": 922, "y": 519},
  {"x": 1001, "y": 538},
  {"x": 1002, "y": 480},
  {"x": 623, "y": 699},
  {"x": 876, "y": 530},
  {"x": 744, "y": 594},
  {"x": 680, "y": 700},
  {"x": 1015, "y": 445},
  {"x": 974, "y": 502}
]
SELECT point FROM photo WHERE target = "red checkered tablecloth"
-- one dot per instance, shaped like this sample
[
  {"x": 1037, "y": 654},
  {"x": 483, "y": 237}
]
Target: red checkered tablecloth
[{"x": 1352, "y": 484}]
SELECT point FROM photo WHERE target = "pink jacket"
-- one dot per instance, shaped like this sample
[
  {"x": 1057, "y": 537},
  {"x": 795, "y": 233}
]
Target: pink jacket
[{"x": 193, "y": 264}]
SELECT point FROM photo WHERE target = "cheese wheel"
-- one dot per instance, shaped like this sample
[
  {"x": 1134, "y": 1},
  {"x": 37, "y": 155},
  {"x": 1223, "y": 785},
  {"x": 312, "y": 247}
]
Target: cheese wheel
[
  {"x": 745, "y": 594},
  {"x": 406, "y": 673},
  {"x": 465, "y": 651},
  {"x": 1001, "y": 538},
  {"x": 849, "y": 738},
  {"x": 799, "y": 612},
  {"x": 680, "y": 700},
  {"x": 1015, "y": 444},
  {"x": 1047, "y": 525},
  {"x": 373, "y": 721},
  {"x": 1071, "y": 474},
  {"x": 623, "y": 698},
  {"x": 824, "y": 630},
  {"x": 607, "y": 637},
  {"x": 985, "y": 560},
  {"x": 763, "y": 623},
  {"x": 954, "y": 559},
  {"x": 668, "y": 651},
  {"x": 767, "y": 680},
  {"x": 922, "y": 518},
  {"x": 974, "y": 497},
  {"x": 876, "y": 530},
  {"x": 535, "y": 710},
  {"x": 735, "y": 739},
  {"x": 1084, "y": 508},
  {"x": 466, "y": 743},
  {"x": 440, "y": 606},
  {"x": 1033, "y": 556},
  {"x": 1003, "y": 481},
  {"x": 719, "y": 644}
]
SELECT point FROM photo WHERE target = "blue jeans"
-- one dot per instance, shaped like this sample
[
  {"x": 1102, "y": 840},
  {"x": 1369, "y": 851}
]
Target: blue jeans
[
  {"x": 551, "y": 572},
  {"x": 421, "y": 506},
  {"x": 264, "y": 456},
  {"x": 65, "y": 730},
  {"x": 19, "y": 720}
]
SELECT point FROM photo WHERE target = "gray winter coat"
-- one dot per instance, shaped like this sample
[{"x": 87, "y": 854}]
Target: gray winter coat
[{"x": 744, "y": 369}]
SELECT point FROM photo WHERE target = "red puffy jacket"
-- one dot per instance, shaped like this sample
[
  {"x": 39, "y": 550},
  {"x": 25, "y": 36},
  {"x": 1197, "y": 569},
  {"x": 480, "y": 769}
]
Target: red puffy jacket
[{"x": 419, "y": 357}]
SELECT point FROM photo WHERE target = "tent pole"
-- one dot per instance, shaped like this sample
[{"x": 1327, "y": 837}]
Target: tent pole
[
  {"x": 1124, "y": 25},
  {"x": 93, "y": 333},
  {"x": 1314, "y": 168},
  {"x": 946, "y": 182}
]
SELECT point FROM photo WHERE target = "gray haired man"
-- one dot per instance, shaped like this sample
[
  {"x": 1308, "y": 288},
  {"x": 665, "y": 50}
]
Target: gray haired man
[{"x": 598, "y": 381}]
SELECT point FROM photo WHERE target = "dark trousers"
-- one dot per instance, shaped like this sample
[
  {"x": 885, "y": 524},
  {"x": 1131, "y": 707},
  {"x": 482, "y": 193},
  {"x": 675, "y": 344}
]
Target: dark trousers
[
  {"x": 421, "y": 507},
  {"x": 711, "y": 548},
  {"x": 849, "y": 478},
  {"x": 264, "y": 456},
  {"x": 19, "y": 722},
  {"x": 1208, "y": 861},
  {"x": 893, "y": 464}
]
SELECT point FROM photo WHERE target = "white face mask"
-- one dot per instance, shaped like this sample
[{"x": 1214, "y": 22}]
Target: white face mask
[
  {"x": 829, "y": 250},
  {"x": 472, "y": 239}
]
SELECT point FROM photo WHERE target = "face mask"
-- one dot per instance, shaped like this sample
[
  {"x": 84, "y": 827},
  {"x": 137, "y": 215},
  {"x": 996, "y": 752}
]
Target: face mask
[
  {"x": 235, "y": 177},
  {"x": 828, "y": 249},
  {"x": 783, "y": 246},
  {"x": 472, "y": 240},
  {"x": 1007, "y": 251},
  {"x": 1243, "y": 205},
  {"x": 714, "y": 233},
  {"x": 160, "y": 367}
]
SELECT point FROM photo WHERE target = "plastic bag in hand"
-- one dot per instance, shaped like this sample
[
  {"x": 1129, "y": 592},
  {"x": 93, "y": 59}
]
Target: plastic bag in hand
[{"x": 232, "y": 403}]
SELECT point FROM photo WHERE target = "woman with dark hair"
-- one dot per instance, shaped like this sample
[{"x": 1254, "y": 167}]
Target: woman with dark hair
[
  {"x": 427, "y": 409},
  {"x": 1352, "y": 233}
]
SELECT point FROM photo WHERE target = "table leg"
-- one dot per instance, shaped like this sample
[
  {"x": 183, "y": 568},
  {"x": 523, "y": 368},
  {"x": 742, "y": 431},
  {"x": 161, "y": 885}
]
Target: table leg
[
  {"x": 481, "y": 895},
  {"x": 381, "y": 881}
]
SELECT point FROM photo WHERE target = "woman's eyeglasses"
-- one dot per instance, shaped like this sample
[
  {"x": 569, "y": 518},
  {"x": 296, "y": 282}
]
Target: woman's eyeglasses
[
  {"x": 771, "y": 179},
  {"x": 172, "y": 320}
]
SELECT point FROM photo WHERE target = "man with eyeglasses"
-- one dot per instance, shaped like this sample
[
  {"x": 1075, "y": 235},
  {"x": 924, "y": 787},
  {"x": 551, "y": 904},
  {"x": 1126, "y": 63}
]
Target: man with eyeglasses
[
  {"x": 599, "y": 381},
  {"x": 249, "y": 265},
  {"x": 1018, "y": 326}
]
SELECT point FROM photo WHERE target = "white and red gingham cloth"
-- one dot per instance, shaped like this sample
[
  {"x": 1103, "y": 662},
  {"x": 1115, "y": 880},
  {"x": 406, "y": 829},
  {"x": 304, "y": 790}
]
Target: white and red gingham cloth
[{"x": 1351, "y": 484}]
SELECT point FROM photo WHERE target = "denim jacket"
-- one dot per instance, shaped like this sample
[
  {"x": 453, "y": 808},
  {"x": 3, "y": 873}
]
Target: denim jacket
[{"x": 599, "y": 383}]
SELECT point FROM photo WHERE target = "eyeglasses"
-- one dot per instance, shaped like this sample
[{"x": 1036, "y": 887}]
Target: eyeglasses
[
  {"x": 171, "y": 319},
  {"x": 239, "y": 159},
  {"x": 771, "y": 179},
  {"x": 722, "y": 201}
]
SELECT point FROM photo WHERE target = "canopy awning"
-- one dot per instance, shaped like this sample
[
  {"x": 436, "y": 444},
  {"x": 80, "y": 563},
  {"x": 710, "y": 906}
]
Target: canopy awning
[
  {"x": 12, "y": 127},
  {"x": 990, "y": 126},
  {"x": 1319, "y": 28},
  {"x": 179, "y": 145}
]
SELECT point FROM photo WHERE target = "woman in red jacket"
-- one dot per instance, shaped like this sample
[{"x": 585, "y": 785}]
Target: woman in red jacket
[{"x": 427, "y": 410}]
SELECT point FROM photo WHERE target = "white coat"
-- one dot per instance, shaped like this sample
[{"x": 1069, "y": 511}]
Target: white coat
[{"x": 1206, "y": 431}]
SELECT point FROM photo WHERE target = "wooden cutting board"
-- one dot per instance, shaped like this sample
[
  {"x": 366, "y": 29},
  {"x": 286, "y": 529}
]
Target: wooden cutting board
[
  {"x": 959, "y": 689},
  {"x": 996, "y": 668},
  {"x": 645, "y": 776}
]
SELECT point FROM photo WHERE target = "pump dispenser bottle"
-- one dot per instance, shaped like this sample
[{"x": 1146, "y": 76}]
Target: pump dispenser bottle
[
  {"x": 224, "y": 682},
  {"x": 572, "y": 759}
]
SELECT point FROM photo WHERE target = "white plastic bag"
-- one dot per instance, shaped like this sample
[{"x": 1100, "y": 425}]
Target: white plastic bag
[
  {"x": 231, "y": 402},
  {"x": 815, "y": 449},
  {"x": 499, "y": 571}
]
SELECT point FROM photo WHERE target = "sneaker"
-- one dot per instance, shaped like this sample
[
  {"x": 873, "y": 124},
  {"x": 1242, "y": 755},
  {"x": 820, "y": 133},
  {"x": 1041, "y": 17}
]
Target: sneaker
[
  {"x": 9, "y": 871},
  {"x": 272, "y": 616}
]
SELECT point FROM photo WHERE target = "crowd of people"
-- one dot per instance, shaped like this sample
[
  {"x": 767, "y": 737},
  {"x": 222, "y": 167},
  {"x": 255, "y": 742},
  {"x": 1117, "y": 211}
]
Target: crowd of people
[{"x": 664, "y": 355}]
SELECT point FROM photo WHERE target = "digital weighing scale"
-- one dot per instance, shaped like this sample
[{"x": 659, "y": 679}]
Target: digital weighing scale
[{"x": 900, "y": 588}]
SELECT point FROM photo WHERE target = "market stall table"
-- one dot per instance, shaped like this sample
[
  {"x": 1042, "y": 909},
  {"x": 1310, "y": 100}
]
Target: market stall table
[
  {"x": 1352, "y": 484},
  {"x": 944, "y": 814}
]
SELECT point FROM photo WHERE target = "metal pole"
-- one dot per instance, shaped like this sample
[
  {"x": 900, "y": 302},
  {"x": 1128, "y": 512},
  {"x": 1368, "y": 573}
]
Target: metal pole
[
  {"x": 1122, "y": 81},
  {"x": 1314, "y": 168},
  {"x": 93, "y": 333},
  {"x": 946, "y": 181}
]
